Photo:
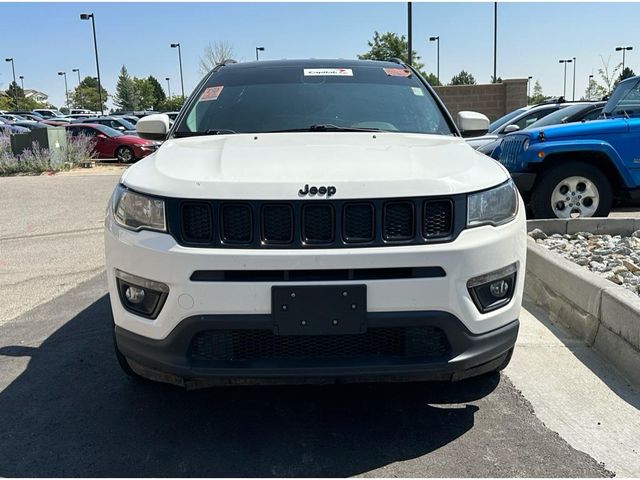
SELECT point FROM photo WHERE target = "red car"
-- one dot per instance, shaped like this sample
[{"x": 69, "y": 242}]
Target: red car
[{"x": 110, "y": 143}]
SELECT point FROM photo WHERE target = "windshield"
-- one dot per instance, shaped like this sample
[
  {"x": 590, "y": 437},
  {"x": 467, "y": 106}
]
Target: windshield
[
  {"x": 286, "y": 98},
  {"x": 625, "y": 100},
  {"x": 126, "y": 124},
  {"x": 110, "y": 132},
  {"x": 559, "y": 116},
  {"x": 502, "y": 120}
]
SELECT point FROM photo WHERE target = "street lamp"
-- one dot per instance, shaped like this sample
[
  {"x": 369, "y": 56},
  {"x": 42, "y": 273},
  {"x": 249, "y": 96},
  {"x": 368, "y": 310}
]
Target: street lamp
[
  {"x": 21, "y": 77},
  {"x": 15, "y": 90},
  {"x": 624, "y": 50},
  {"x": 77, "y": 70},
  {"x": 87, "y": 16},
  {"x": 495, "y": 42},
  {"x": 177, "y": 45},
  {"x": 66, "y": 91},
  {"x": 529, "y": 87},
  {"x": 259, "y": 49},
  {"x": 573, "y": 95},
  {"x": 589, "y": 87},
  {"x": 168, "y": 87},
  {"x": 437, "y": 40},
  {"x": 564, "y": 88}
]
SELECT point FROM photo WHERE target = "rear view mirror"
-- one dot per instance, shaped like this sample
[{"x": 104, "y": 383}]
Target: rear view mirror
[
  {"x": 153, "y": 127},
  {"x": 511, "y": 128},
  {"x": 472, "y": 124}
]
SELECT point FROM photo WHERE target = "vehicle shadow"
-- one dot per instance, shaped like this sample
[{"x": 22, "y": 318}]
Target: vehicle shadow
[{"x": 73, "y": 413}]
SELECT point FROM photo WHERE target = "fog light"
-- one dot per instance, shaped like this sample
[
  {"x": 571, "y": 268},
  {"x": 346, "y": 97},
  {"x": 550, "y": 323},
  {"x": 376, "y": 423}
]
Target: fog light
[
  {"x": 493, "y": 290},
  {"x": 134, "y": 294},
  {"x": 141, "y": 296}
]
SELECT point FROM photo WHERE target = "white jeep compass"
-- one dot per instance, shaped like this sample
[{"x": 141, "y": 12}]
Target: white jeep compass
[{"x": 312, "y": 221}]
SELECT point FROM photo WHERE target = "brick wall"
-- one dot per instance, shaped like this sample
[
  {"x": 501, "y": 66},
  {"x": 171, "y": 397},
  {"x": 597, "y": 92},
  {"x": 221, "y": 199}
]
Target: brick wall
[{"x": 494, "y": 99}]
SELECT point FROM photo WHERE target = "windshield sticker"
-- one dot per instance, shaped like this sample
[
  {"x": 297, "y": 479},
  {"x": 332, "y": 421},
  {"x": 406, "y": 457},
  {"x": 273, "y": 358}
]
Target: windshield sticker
[
  {"x": 211, "y": 93},
  {"x": 417, "y": 91},
  {"x": 398, "y": 72},
  {"x": 328, "y": 72}
]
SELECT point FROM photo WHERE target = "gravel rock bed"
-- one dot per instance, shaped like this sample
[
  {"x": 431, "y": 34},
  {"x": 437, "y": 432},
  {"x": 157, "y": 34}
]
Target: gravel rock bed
[{"x": 613, "y": 257}]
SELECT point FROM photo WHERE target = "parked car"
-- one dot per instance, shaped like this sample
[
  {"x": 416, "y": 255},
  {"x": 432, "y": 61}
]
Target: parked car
[
  {"x": 172, "y": 115},
  {"x": 28, "y": 115},
  {"x": 57, "y": 121},
  {"x": 573, "y": 112},
  {"x": 6, "y": 128},
  {"x": 110, "y": 143},
  {"x": 132, "y": 119},
  {"x": 580, "y": 169},
  {"x": 48, "y": 112},
  {"x": 9, "y": 117},
  {"x": 73, "y": 116},
  {"x": 82, "y": 111},
  {"x": 117, "y": 123},
  {"x": 517, "y": 120},
  {"x": 314, "y": 219},
  {"x": 29, "y": 124}
]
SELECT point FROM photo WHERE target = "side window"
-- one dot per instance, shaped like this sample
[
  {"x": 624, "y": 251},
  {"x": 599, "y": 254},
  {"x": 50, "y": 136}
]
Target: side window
[
  {"x": 88, "y": 132},
  {"x": 114, "y": 124},
  {"x": 533, "y": 117},
  {"x": 592, "y": 115}
]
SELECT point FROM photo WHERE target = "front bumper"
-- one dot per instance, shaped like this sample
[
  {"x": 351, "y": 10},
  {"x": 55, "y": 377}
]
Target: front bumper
[{"x": 169, "y": 360}]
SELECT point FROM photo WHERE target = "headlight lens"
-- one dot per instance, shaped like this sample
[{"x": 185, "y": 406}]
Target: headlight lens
[
  {"x": 525, "y": 144},
  {"x": 135, "y": 211},
  {"x": 493, "y": 207}
]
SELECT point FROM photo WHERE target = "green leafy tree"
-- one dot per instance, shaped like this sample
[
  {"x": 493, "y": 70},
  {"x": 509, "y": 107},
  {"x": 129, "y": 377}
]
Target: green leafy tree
[
  {"x": 626, "y": 73},
  {"x": 594, "y": 91},
  {"x": 494, "y": 80},
  {"x": 156, "y": 88},
  {"x": 463, "y": 78},
  {"x": 608, "y": 74},
  {"x": 432, "y": 79},
  {"x": 85, "y": 95},
  {"x": 537, "y": 96},
  {"x": 143, "y": 94},
  {"x": 390, "y": 45},
  {"x": 126, "y": 97},
  {"x": 172, "y": 104}
]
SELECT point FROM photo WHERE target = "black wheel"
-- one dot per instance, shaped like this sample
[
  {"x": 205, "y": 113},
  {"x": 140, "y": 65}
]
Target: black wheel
[
  {"x": 125, "y": 155},
  {"x": 571, "y": 190}
]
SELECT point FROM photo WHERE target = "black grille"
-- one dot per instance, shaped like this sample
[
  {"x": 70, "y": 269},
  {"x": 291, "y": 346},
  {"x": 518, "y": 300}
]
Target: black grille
[
  {"x": 398, "y": 221},
  {"x": 359, "y": 223},
  {"x": 277, "y": 224},
  {"x": 317, "y": 223},
  {"x": 248, "y": 345},
  {"x": 236, "y": 223},
  {"x": 438, "y": 218},
  {"x": 196, "y": 224}
]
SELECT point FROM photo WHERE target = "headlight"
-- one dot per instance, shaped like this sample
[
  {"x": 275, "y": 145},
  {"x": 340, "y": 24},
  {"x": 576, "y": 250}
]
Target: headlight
[
  {"x": 525, "y": 144},
  {"x": 135, "y": 211},
  {"x": 493, "y": 207}
]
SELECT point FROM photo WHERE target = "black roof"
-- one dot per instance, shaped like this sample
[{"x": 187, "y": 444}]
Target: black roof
[{"x": 314, "y": 63}]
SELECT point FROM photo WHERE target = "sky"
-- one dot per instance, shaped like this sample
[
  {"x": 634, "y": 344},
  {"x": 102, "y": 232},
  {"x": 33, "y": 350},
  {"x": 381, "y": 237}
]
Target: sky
[{"x": 44, "y": 38}]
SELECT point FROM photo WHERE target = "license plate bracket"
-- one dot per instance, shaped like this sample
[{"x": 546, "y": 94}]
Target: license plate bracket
[{"x": 319, "y": 310}]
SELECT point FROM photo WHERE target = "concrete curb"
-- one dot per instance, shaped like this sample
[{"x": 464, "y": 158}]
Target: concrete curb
[{"x": 602, "y": 314}]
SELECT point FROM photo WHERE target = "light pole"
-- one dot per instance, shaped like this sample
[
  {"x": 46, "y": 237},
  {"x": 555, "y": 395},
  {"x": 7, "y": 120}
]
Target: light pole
[
  {"x": 21, "y": 77},
  {"x": 564, "y": 88},
  {"x": 259, "y": 49},
  {"x": 409, "y": 35},
  {"x": 495, "y": 42},
  {"x": 573, "y": 94},
  {"x": 168, "y": 87},
  {"x": 77, "y": 70},
  {"x": 529, "y": 87},
  {"x": 437, "y": 40},
  {"x": 624, "y": 50},
  {"x": 66, "y": 91},
  {"x": 177, "y": 45},
  {"x": 87, "y": 16},
  {"x": 589, "y": 87},
  {"x": 15, "y": 90}
]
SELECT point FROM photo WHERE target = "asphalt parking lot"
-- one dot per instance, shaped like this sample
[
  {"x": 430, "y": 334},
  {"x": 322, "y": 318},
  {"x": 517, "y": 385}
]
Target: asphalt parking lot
[{"x": 67, "y": 410}]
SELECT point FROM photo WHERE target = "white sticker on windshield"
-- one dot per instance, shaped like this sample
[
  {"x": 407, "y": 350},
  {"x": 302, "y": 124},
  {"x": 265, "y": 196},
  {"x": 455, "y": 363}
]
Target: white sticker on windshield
[
  {"x": 417, "y": 91},
  {"x": 328, "y": 72}
]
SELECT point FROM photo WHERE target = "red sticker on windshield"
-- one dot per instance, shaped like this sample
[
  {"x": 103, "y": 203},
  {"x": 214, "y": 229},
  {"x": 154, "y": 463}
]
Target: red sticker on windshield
[
  {"x": 398, "y": 72},
  {"x": 211, "y": 93}
]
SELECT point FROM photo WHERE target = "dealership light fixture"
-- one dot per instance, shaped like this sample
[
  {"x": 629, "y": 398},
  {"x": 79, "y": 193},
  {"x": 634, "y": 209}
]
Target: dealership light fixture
[{"x": 90, "y": 16}]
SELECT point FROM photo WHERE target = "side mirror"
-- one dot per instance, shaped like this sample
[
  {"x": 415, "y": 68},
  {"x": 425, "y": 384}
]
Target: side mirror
[
  {"x": 511, "y": 128},
  {"x": 101, "y": 136},
  {"x": 153, "y": 127},
  {"x": 472, "y": 124}
]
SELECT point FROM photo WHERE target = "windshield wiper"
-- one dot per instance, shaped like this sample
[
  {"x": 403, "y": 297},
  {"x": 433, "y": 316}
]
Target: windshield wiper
[
  {"x": 211, "y": 131},
  {"x": 327, "y": 127}
]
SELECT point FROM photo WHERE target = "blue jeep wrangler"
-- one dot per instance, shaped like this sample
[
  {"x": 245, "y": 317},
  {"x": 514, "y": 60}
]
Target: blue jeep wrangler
[{"x": 580, "y": 169}]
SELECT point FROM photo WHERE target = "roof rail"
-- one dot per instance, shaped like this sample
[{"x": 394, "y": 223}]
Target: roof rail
[{"x": 396, "y": 60}]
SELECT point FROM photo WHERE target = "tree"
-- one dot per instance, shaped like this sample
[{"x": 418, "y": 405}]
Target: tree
[
  {"x": 493, "y": 80},
  {"x": 537, "y": 96},
  {"x": 85, "y": 95},
  {"x": 431, "y": 79},
  {"x": 463, "y": 78},
  {"x": 172, "y": 104},
  {"x": 156, "y": 88},
  {"x": 144, "y": 96},
  {"x": 594, "y": 91},
  {"x": 125, "y": 97},
  {"x": 390, "y": 45},
  {"x": 214, "y": 55},
  {"x": 626, "y": 73},
  {"x": 608, "y": 75}
]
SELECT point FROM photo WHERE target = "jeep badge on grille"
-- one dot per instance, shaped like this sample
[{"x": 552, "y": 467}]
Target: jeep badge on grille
[{"x": 322, "y": 190}]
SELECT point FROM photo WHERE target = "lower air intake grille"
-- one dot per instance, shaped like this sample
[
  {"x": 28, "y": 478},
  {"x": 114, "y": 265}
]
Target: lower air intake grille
[{"x": 247, "y": 345}]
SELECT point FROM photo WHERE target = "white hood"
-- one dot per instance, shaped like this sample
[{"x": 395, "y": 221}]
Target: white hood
[{"x": 278, "y": 165}]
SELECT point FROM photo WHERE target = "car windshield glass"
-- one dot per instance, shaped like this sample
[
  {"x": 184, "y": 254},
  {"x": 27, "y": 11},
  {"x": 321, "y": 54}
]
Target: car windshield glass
[
  {"x": 557, "y": 117},
  {"x": 126, "y": 124},
  {"x": 625, "y": 100},
  {"x": 108, "y": 131},
  {"x": 295, "y": 98},
  {"x": 502, "y": 120}
]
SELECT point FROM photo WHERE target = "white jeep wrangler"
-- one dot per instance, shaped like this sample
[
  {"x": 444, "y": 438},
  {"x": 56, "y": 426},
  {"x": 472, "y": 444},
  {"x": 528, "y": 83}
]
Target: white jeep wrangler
[{"x": 314, "y": 220}]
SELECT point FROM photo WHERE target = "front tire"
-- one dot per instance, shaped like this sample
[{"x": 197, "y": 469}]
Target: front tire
[
  {"x": 571, "y": 190},
  {"x": 125, "y": 155}
]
